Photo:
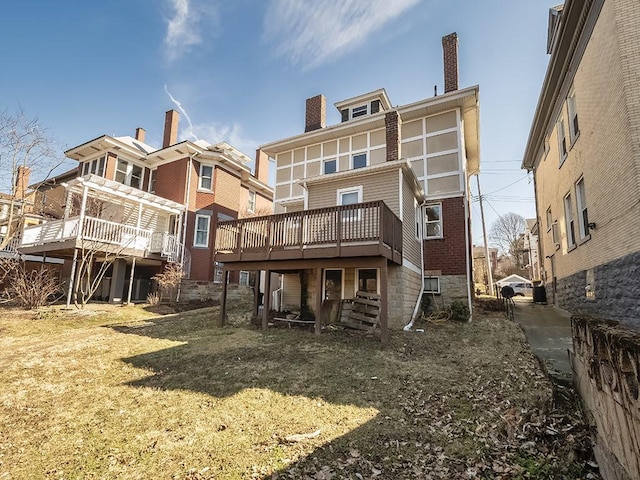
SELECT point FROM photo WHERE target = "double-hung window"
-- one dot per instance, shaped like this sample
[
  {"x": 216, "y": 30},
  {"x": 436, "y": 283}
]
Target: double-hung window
[
  {"x": 583, "y": 216},
  {"x": 562, "y": 141},
  {"x": 128, "y": 174},
  {"x": 251, "y": 204},
  {"x": 431, "y": 285},
  {"x": 152, "y": 180},
  {"x": 570, "y": 224},
  {"x": 574, "y": 128},
  {"x": 350, "y": 196},
  {"x": 201, "y": 234},
  {"x": 433, "y": 221},
  {"x": 206, "y": 177},
  {"x": 95, "y": 166}
]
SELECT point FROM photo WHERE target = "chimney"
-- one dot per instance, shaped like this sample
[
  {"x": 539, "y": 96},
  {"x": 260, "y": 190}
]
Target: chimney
[
  {"x": 450, "y": 57},
  {"x": 140, "y": 134},
  {"x": 170, "y": 128},
  {"x": 316, "y": 113},
  {"x": 22, "y": 181},
  {"x": 261, "y": 169}
]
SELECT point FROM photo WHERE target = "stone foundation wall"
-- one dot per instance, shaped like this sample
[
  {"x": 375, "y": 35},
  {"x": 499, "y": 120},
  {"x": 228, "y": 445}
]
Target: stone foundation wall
[
  {"x": 614, "y": 291},
  {"x": 606, "y": 365},
  {"x": 202, "y": 291},
  {"x": 402, "y": 290},
  {"x": 453, "y": 287}
]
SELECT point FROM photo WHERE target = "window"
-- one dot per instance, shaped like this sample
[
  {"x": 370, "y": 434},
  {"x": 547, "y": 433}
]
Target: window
[
  {"x": 333, "y": 289},
  {"x": 433, "y": 221},
  {"x": 350, "y": 196},
  {"x": 431, "y": 285},
  {"x": 128, "y": 174},
  {"x": 152, "y": 181},
  {"x": 360, "y": 160},
  {"x": 562, "y": 141},
  {"x": 583, "y": 217},
  {"x": 206, "y": 177},
  {"x": 568, "y": 215},
  {"x": 244, "y": 278},
  {"x": 95, "y": 166},
  {"x": 201, "y": 234},
  {"x": 360, "y": 111},
  {"x": 251, "y": 205},
  {"x": 549, "y": 219},
  {"x": 574, "y": 129},
  {"x": 329, "y": 166},
  {"x": 418, "y": 214},
  {"x": 368, "y": 280},
  {"x": 218, "y": 272}
]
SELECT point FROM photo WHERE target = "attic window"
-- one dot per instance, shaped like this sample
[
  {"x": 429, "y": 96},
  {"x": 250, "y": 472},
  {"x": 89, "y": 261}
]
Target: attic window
[{"x": 360, "y": 111}]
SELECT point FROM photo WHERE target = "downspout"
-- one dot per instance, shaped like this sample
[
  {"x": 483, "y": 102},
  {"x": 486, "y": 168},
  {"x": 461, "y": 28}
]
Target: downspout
[
  {"x": 409, "y": 326},
  {"x": 467, "y": 221}
]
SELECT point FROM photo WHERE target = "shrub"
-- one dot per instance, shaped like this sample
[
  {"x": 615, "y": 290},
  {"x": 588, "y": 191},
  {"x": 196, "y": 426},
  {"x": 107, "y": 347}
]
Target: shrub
[
  {"x": 153, "y": 299},
  {"x": 459, "y": 311},
  {"x": 32, "y": 288}
]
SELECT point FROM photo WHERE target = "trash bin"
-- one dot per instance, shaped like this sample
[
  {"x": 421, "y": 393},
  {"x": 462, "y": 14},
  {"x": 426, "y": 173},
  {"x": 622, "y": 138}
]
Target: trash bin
[{"x": 539, "y": 294}]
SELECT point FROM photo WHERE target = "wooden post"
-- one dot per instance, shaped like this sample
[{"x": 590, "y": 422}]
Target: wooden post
[
  {"x": 72, "y": 278},
  {"x": 265, "y": 299},
  {"x": 318, "y": 324},
  {"x": 223, "y": 298},
  {"x": 256, "y": 293},
  {"x": 133, "y": 267},
  {"x": 384, "y": 320}
]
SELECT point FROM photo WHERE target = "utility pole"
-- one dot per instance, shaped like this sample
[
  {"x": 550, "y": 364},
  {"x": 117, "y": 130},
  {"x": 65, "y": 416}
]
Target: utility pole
[{"x": 484, "y": 236}]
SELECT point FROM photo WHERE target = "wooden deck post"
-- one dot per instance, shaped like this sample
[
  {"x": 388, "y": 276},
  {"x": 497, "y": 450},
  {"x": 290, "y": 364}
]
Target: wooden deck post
[
  {"x": 256, "y": 293},
  {"x": 318, "y": 305},
  {"x": 266, "y": 304},
  {"x": 384, "y": 320},
  {"x": 223, "y": 298},
  {"x": 133, "y": 268}
]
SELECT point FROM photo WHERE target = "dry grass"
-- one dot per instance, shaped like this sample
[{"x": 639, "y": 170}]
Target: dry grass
[{"x": 119, "y": 393}]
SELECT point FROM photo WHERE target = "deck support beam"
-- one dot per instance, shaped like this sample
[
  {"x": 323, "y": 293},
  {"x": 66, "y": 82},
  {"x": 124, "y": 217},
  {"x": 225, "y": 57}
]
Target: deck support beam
[
  {"x": 223, "y": 298},
  {"x": 318, "y": 305},
  {"x": 133, "y": 268},
  {"x": 384, "y": 302},
  {"x": 265, "y": 299}
]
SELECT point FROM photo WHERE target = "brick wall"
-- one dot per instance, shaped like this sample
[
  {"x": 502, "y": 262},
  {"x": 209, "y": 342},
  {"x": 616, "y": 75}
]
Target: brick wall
[
  {"x": 170, "y": 180},
  {"x": 449, "y": 254},
  {"x": 392, "y": 131},
  {"x": 227, "y": 190},
  {"x": 315, "y": 113}
]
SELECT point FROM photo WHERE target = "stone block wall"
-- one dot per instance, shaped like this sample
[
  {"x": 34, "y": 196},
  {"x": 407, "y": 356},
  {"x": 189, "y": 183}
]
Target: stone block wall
[
  {"x": 202, "y": 291},
  {"x": 606, "y": 364},
  {"x": 614, "y": 291}
]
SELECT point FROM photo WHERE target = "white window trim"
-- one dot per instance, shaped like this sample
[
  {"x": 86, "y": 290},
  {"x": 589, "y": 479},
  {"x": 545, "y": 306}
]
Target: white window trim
[
  {"x": 436, "y": 292},
  {"x": 195, "y": 231},
  {"x": 129, "y": 172},
  {"x": 342, "y": 191},
  {"x": 200, "y": 177},
  {"x": 583, "y": 230},
  {"x": 568, "y": 219},
  {"x": 251, "y": 209},
  {"x": 357, "y": 286},
  {"x": 367, "y": 110},
  {"x": 424, "y": 223},
  {"x": 152, "y": 180},
  {"x": 324, "y": 282},
  {"x": 562, "y": 140},
  {"x": 572, "y": 113}
]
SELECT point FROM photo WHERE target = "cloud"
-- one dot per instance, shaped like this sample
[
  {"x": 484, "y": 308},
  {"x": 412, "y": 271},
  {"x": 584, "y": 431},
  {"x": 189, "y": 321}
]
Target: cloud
[
  {"x": 183, "y": 29},
  {"x": 313, "y": 32}
]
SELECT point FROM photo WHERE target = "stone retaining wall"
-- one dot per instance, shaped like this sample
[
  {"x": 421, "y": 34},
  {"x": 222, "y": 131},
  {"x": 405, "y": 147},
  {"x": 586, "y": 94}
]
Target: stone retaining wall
[
  {"x": 615, "y": 291},
  {"x": 606, "y": 365},
  {"x": 201, "y": 291}
]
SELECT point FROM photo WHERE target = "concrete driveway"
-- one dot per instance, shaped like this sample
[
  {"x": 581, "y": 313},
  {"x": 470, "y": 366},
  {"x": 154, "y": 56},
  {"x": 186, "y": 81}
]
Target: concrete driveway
[{"x": 548, "y": 331}]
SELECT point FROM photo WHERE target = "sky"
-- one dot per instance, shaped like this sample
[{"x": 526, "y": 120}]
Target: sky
[{"x": 240, "y": 70}]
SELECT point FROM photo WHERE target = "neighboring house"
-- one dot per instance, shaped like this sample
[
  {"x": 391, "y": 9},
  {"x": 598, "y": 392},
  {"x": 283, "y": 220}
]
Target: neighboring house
[
  {"x": 480, "y": 265},
  {"x": 146, "y": 206},
  {"x": 530, "y": 248},
  {"x": 378, "y": 203},
  {"x": 584, "y": 151}
]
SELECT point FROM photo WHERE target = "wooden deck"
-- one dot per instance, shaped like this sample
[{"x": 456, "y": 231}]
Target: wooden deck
[{"x": 360, "y": 230}]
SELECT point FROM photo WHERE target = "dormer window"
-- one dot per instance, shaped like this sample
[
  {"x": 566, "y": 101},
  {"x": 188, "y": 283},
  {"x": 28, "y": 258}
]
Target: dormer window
[{"x": 360, "y": 110}]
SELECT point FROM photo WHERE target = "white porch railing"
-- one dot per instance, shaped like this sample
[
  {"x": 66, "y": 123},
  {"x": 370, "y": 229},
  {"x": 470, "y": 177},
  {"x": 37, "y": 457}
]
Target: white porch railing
[
  {"x": 93, "y": 229},
  {"x": 167, "y": 245}
]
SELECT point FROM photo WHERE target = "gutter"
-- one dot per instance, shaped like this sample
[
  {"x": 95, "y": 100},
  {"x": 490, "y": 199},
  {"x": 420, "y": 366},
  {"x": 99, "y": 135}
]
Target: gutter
[{"x": 409, "y": 326}]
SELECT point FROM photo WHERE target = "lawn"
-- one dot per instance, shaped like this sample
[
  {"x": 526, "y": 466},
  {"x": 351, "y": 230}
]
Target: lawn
[{"x": 120, "y": 392}]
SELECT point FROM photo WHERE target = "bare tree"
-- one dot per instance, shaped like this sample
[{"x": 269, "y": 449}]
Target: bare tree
[
  {"x": 25, "y": 147},
  {"x": 506, "y": 233}
]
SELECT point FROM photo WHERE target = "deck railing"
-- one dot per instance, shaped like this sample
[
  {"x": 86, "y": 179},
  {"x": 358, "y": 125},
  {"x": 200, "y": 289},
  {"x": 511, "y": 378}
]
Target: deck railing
[
  {"x": 365, "y": 223},
  {"x": 93, "y": 229}
]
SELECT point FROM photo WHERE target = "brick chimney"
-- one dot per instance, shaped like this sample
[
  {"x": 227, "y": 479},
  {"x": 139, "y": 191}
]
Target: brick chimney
[
  {"x": 392, "y": 128},
  {"x": 170, "y": 128},
  {"x": 450, "y": 58},
  {"x": 22, "y": 181},
  {"x": 316, "y": 113},
  {"x": 140, "y": 134},
  {"x": 261, "y": 169}
]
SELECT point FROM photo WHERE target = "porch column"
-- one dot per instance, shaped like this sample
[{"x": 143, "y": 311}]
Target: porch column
[
  {"x": 266, "y": 304},
  {"x": 133, "y": 267},
  {"x": 72, "y": 278},
  {"x": 256, "y": 293},
  {"x": 223, "y": 298},
  {"x": 318, "y": 306},
  {"x": 384, "y": 321},
  {"x": 67, "y": 204},
  {"x": 117, "y": 280}
]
